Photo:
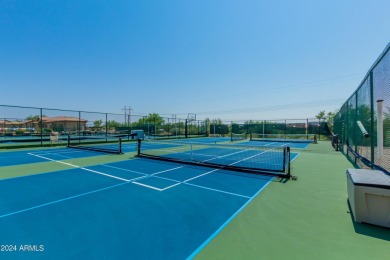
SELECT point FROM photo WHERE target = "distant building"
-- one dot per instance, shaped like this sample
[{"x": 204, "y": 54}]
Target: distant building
[
  {"x": 57, "y": 123},
  {"x": 64, "y": 123},
  {"x": 14, "y": 125}
]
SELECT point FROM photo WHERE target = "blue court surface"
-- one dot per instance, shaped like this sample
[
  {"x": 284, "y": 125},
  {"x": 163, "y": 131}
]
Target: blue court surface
[
  {"x": 133, "y": 209},
  {"x": 298, "y": 145},
  {"x": 205, "y": 140},
  {"x": 10, "y": 158}
]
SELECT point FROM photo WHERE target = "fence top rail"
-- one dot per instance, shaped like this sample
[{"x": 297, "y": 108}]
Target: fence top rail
[
  {"x": 81, "y": 111},
  {"x": 378, "y": 60},
  {"x": 59, "y": 109}
]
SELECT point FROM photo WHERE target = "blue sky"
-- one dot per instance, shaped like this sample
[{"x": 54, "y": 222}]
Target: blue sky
[{"x": 234, "y": 60}]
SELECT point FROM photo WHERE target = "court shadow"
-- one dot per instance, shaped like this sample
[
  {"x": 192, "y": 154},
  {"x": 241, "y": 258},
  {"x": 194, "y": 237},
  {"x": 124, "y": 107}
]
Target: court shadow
[{"x": 367, "y": 229}]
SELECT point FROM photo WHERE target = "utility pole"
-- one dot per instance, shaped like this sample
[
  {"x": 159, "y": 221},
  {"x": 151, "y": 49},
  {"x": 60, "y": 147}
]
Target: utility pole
[{"x": 127, "y": 114}]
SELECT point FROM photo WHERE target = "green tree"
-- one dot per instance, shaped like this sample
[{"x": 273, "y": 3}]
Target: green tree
[
  {"x": 112, "y": 124},
  {"x": 387, "y": 114},
  {"x": 217, "y": 121},
  {"x": 154, "y": 118},
  {"x": 330, "y": 120},
  {"x": 321, "y": 115},
  {"x": 97, "y": 123},
  {"x": 35, "y": 117}
]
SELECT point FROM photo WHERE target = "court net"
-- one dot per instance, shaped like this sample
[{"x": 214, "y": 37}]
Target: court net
[
  {"x": 291, "y": 138},
  {"x": 273, "y": 161},
  {"x": 114, "y": 147},
  {"x": 237, "y": 137}
]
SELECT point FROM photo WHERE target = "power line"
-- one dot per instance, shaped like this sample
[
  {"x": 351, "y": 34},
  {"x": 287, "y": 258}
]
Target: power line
[
  {"x": 295, "y": 86},
  {"x": 275, "y": 107}
]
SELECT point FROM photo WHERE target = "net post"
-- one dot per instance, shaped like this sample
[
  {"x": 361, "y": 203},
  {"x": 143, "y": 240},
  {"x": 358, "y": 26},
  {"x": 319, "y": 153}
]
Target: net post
[
  {"x": 186, "y": 129},
  {"x": 192, "y": 157},
  {"x": 288, "y": 168},
  {"x": 120, "y": 145},
  {"x": 138, "y": 146},
  {"x": 288, "y": 165},
  {"x": 284, "y": 159},
  {"x": 68, "y": 140}
]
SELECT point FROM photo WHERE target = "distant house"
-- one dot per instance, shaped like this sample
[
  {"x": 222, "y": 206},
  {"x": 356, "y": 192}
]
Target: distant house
[
  {"x": 8, "y": 125},
  {"x": 4, "y": 122},
  {"x": 64, "y": 123},
  {"x": 57, "y": 124}
]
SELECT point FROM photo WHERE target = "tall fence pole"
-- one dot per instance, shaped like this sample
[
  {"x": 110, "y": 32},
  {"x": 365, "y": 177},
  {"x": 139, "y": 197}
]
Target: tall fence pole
[
  {"x": 41, "y": 126},
  {"x": 380, "y": 129},
  {"x": 372, "y": 117},
  {"x": 106, "y": 127}
]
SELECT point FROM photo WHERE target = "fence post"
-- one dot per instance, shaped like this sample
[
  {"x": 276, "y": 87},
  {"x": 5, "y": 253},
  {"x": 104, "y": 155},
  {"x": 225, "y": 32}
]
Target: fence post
[
  {"x": 285, "y": 129},
  {"x": 41, "y": 126},
  {"x": 79, "y": 127},
  {"x": 319, "y": 128},
  {"x": 307, "y": 128},
  {"x": 372, "y": 117}
]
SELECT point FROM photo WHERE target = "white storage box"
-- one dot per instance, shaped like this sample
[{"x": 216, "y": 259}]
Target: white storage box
[
  {"x": 369, "y": 196},
  {"x": 138, "y": 134}
]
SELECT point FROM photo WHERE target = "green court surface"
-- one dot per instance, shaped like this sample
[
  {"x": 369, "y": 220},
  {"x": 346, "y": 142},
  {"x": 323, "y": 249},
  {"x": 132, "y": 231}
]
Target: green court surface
[{"x": 305, "y": 219}]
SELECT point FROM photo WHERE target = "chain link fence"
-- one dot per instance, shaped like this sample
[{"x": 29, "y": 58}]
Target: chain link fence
[
  {"x": 363, "y": 122},
  {"x": 286, "y": 128},
  {"x": 31, "y": 126}
]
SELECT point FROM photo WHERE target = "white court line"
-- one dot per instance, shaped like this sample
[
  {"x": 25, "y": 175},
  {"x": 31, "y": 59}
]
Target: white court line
[
  {"x": 109, "y": 166},
  {"x": 62, "y": 200},
  {"x": 147, "y": 186},
  {"x": 198, "y": 186},
  {"x": 42, "y": 152},
  {"x": 57, "y": 154},
  {"x": 222, "y": 156},
  {"x": 193, "y": 178},
  {"x": 230, "y": 193},
  {"x": 151, "y": 175},
  {"x": 168, "y": 187},
  {"x": 177, "y": 182},
  {"x": 82, "y": 168},
  {"x": 180, "y": 182},
  {"x": 250, "y": 157},
  {"x": 198, "y": 176},
  {"x": 273, "y": 143}
]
